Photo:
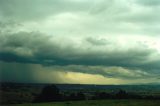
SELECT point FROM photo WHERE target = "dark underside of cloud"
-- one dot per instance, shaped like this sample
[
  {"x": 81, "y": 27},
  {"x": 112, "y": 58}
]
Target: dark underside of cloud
[{"x": 36, "y": 48}]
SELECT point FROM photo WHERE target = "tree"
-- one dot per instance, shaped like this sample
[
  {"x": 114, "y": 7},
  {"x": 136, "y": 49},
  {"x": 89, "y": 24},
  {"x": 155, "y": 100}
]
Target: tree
[
  {"x": 49, "y": 93},
  {"x": 80, "y": 96},
  {"x": 122, "y": 94},
  {"x": 102, "y": 95}
]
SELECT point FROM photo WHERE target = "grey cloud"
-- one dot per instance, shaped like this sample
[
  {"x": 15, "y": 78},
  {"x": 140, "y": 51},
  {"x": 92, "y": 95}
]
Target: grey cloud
[
  {"x": 128, "y": 17},
  {"x": 33, "y": 47},
  {"x": 115, "y": 17},
  {"x": 19, "y": 72},
  {"x": 98, "y": 42},
  {"x": 8, "y": 26},
  {"x": 148, "y": 2},
  {"x": 109, "y": 72},
  {"x": 141, "y": 17},
  {"x": 73, "y": 34},
  {"x": 22, "y": 10}
]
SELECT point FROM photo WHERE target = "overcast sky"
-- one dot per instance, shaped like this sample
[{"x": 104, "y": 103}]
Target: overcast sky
[{"x": 80, "y": 41}]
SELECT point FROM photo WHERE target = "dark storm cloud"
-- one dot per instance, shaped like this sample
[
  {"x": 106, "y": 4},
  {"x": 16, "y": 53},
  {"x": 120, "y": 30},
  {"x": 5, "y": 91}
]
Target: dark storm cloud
[
  {"x": 28, "y": 73},
  {"x": 38, "y": 48},
  {"x": 111, "y": 38},
  {"x": 15, "y": 72},
  {"x": 20, "y": 72}
]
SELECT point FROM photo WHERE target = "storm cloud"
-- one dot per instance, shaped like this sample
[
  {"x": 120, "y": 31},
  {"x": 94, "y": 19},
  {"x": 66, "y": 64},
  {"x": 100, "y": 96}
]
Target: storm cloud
[{"x": 117, "y": 40}]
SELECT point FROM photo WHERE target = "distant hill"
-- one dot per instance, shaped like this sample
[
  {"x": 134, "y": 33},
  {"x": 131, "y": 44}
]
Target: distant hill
[{"x": 138, "y": 87}]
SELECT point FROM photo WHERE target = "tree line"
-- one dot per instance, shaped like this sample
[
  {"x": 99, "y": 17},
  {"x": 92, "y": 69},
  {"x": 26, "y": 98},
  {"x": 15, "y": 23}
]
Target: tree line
[{"x": 52, "y": 93}]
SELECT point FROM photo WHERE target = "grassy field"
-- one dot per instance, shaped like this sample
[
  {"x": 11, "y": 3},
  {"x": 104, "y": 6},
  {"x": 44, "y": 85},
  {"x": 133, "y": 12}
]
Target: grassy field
[{"x": 99, "y": 103}]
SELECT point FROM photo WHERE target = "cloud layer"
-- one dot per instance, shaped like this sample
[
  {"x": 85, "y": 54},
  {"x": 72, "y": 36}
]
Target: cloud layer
[{"x": 100, "y": 39}]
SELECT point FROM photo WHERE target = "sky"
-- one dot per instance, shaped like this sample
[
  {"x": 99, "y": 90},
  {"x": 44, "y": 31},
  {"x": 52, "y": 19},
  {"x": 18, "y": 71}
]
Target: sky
[{"x": 80, "y": 41}]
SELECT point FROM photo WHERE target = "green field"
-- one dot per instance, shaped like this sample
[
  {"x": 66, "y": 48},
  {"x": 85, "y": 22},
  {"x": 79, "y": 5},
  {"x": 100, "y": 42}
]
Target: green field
[{"x": 99, "y": 103}]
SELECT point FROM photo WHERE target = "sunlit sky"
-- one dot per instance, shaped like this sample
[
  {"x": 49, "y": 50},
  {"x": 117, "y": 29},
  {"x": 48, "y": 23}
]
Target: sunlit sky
[{"x": 80, "y": 41}]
